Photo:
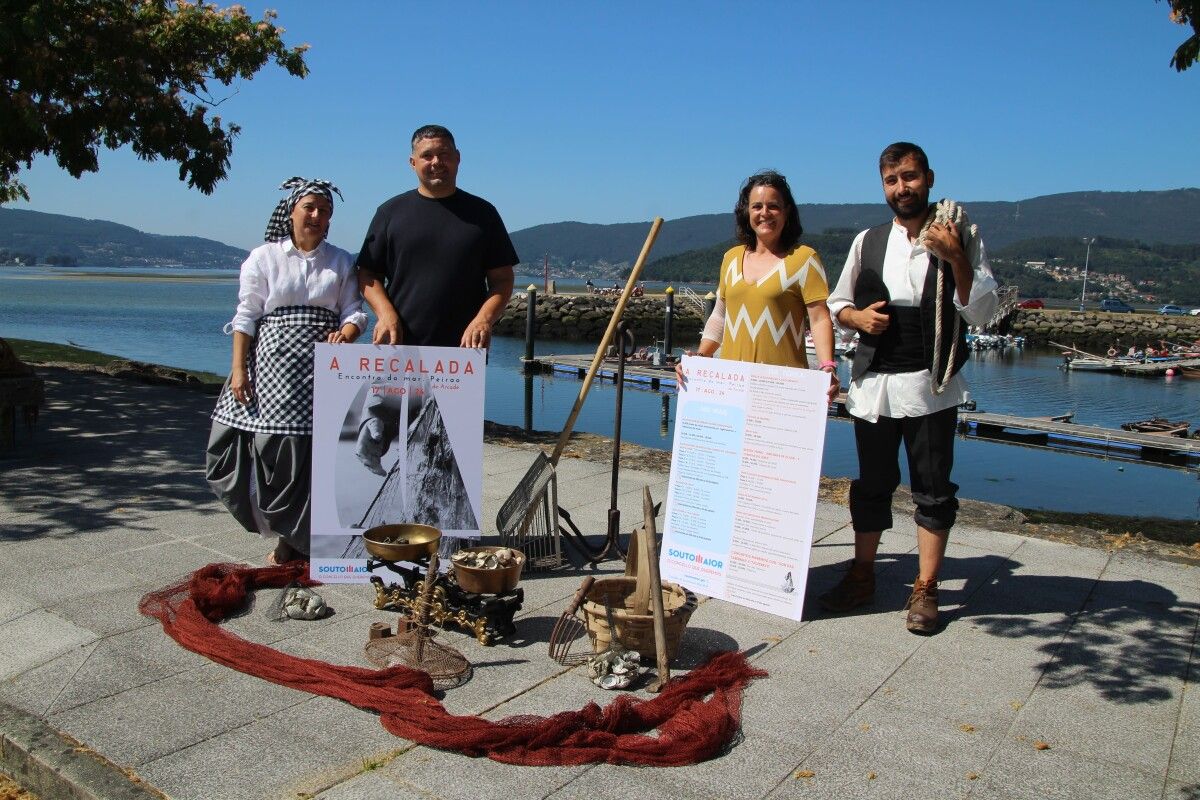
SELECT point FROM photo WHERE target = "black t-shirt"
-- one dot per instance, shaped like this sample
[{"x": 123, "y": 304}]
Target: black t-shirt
[{"x": 433, "y": 255}]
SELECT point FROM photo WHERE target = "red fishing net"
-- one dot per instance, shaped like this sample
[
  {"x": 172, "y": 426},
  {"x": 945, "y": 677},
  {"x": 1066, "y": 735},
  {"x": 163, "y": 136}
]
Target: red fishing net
[{"x": 694, "y": 718}]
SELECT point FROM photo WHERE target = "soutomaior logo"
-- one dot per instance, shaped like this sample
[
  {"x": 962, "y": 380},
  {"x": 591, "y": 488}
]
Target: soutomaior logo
[
  {"x": 342, "y": 568},
  {"x": 683, "y": 555}
]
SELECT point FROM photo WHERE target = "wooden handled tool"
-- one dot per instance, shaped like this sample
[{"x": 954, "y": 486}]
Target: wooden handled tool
[
  {"x": 650, "y": 551},
  {"x": 570, "y": 627},
  {"x": 565, "y": 436}
]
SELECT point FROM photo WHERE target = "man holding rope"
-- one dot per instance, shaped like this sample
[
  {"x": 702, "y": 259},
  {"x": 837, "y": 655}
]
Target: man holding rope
[{"x": 910, "y": 287}]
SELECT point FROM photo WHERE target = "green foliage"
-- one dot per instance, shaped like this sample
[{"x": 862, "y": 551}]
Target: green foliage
[
  {"x": 1174, "y": 268},
  {"x": 78, "y": 75},
  {"x": 1186, "y": 13},
  {"x": 17, "y": 257}
]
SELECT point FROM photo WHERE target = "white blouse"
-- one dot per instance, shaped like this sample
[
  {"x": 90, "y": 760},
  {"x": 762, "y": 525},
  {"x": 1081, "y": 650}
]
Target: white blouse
[
  {"x": 278, "y": 274},
  {"x": 910, "y": 394}
]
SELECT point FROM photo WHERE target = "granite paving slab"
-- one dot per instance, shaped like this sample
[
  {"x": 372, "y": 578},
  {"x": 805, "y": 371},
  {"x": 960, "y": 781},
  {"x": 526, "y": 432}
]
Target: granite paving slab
[
  {"x": 450, "y": 776},
  {"x": 35, "y": 689},
  {"x": 154, "y": 719},
  {"x": 373, "y": 785},
  {"x": 1019, "y": 771},
  {"x": 294, "y": 753},
  {"x": 35, "y": 638},
  {"x": 1079, "y": 698},
  {"x": 13, "y": 606},
  {"x": 123, "y": 661},
  {"x": 1171, "y": 575},
  {"x": 1185, "y": 748},
  {"x": 609, "y": 782},
  {"x": 896, "y": 745}
]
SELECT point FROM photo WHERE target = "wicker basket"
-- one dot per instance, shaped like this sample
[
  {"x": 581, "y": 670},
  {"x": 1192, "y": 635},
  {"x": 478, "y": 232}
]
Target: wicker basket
[{"x": 635, "y": 631}]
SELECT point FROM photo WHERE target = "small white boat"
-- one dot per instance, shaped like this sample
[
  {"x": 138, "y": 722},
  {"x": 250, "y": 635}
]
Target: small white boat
[{"x": 1090, "y": 364}]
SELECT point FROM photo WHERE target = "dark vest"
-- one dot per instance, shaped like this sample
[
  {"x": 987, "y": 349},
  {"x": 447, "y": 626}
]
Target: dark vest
[{"x": 907, "y": 344}]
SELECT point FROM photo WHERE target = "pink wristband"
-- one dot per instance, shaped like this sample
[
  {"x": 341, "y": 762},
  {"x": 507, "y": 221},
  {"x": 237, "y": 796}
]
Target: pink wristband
[{"x": 825, "y": 364}]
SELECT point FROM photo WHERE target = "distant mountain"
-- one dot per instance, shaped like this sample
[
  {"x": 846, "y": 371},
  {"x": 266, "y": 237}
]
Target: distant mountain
[
  {"x": 1165, "y": 217},
  {"x": 1169, "y": 217},
  {"x": 55, "y": 238},
  {"x": 1132, "y": 270}
]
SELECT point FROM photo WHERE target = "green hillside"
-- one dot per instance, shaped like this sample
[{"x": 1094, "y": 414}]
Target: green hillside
[
  {"x": 1171, "y": 217},
  {"x": 1153, "y": 273},
  {"x": 55, "y": 238}
]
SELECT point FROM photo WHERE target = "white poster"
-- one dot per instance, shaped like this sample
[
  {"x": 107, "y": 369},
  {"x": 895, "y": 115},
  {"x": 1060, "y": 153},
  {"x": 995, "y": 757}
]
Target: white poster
[
  {"x": 745, "y": 471},
  {"x": 397, "y": 437}
]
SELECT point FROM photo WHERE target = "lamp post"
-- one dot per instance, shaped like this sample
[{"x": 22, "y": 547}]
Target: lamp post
[{"x": 1086, "y": 256}]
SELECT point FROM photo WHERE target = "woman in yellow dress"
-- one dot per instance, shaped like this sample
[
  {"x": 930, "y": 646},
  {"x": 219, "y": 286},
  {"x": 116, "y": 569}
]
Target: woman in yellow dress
[{"x": 770, "y": 286}]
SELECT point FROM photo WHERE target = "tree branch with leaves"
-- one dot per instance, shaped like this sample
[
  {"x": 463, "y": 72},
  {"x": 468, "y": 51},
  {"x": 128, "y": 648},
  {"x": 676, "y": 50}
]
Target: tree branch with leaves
[
  {"x": 80, "y": 75},
  {"x": 1186, "y": 13}
]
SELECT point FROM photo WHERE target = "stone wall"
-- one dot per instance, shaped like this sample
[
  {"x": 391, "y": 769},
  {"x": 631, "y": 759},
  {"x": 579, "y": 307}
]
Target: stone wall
[
  {"x": 585, "y": 317},
  {"x": 1095, "y": 329}
]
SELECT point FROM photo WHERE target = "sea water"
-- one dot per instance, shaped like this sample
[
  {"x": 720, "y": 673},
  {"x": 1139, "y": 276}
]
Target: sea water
[{"x": 175, "y": 317}]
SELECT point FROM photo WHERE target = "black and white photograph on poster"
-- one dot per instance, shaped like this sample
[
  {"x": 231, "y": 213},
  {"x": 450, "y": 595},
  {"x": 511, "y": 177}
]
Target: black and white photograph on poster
[{"x": 397, "y": 437}]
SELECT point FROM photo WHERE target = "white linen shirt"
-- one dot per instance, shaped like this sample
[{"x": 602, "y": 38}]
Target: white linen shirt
[
  {"x": 910, "y": 394},
  {"x": 278, "y": 274}
]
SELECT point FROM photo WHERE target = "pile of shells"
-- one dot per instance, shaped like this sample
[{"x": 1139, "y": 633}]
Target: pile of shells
[
  {"x": 303, "y": 603},
  {"x": 482, "y": 559},
  {"x": 615, "y": 668}
]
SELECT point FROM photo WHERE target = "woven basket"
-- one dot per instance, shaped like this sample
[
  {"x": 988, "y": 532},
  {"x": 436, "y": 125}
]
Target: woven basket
[{"x": 635, "y": 631}]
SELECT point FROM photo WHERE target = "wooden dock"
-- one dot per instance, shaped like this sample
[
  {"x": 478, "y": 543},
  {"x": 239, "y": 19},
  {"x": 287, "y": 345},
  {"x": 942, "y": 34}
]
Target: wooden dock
[
  {"x": 1051, "y": 433},
  {"x": 576, "y": 366},
  {"x": 1091, "y": 439},
  {"x": 1152, "y": 369}
]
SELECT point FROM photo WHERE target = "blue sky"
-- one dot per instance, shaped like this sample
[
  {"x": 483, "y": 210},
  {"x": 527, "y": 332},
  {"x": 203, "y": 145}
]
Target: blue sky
[{"x": 617, "y": 112}]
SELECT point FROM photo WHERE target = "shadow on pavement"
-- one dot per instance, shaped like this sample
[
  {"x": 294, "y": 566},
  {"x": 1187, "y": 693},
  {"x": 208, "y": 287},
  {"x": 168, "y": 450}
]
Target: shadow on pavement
[
  {"x": 1131, "y": 639},
  {"x": 107, "y": 453}
]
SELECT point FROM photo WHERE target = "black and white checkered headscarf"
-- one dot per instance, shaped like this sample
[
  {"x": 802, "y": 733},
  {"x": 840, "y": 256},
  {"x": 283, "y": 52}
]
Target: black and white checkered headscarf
[{"x": 280, "y": 224}]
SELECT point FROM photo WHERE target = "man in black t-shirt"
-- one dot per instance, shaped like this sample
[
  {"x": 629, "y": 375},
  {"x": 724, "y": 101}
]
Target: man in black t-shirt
[{"x": 436, "y": 265}]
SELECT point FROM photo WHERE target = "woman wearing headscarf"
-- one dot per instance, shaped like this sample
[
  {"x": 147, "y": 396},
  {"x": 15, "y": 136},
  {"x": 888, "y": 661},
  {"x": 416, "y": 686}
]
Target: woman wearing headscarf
[{"x": 294, "y": 290}]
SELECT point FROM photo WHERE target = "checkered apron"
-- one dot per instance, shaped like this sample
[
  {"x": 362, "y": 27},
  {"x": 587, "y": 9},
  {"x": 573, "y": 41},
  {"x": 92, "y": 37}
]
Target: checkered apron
[{"x": 280, "y": 368}]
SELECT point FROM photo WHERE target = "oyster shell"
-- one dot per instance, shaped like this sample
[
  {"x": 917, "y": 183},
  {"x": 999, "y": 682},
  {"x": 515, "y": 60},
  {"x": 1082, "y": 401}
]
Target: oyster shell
[
  {"x": 614, "y": 681},
  {"x": 303, "y": 603},
  {"x": 614, "y": 669},
  {"x": 483, "y": 559}
]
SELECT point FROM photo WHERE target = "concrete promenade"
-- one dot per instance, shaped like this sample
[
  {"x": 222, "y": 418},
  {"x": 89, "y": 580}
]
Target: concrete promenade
[{"x": 1064, "y": 671}]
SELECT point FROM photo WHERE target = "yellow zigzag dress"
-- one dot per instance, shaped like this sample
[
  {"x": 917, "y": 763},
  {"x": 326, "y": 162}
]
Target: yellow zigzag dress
[{"x": 765, "y": 321}]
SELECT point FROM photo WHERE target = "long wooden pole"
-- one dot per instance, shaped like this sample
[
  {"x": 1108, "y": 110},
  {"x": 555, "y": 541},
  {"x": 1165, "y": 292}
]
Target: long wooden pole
[
  {"x": 1084, "y": 352},
  {"x": 604, "y": 342},
  {"x": 650, "y": 553}
]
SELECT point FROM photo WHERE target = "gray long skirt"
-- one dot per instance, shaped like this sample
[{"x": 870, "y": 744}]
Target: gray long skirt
[{"x": 269, "y": 470}]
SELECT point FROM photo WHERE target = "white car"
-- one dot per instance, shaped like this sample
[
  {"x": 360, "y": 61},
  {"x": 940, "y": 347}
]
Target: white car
[{"x": 1195, "y": 312}]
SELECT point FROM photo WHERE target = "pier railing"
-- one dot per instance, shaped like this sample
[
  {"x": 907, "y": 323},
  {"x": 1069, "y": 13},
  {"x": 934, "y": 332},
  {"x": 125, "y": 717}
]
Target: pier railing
[
  {"x": 690, "y": 297},
  {"x": 1008, "y": 304}
]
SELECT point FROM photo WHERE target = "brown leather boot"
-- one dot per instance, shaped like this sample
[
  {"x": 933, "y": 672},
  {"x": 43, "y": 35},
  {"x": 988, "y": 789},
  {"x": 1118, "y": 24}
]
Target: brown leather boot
[
  {"x": 923, "y": 607},
  {"x": 857, "y": 588}
]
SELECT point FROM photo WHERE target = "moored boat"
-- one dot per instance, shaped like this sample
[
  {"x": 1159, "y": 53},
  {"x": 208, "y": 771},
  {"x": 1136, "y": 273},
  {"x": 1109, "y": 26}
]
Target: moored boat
[{"x": 1158, "y": 425}]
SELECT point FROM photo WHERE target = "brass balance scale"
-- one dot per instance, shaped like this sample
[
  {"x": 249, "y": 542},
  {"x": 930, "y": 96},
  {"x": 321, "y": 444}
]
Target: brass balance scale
[{"x": 480, "y": 602}]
